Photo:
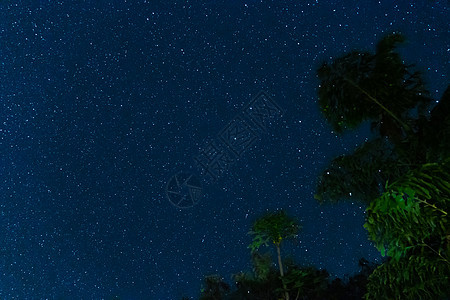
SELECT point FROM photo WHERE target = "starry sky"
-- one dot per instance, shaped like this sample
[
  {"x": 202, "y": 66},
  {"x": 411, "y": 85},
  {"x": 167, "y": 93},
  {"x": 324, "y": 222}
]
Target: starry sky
[{"x": 102, "y": 102}]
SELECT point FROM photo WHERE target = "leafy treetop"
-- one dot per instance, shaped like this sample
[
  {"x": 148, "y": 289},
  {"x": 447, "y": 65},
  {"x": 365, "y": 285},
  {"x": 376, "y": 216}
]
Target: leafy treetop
[{"x": 273, "y": 227}]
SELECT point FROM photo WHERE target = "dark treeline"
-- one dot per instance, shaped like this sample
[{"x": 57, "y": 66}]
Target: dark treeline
[{"x": 306, "y": 283}]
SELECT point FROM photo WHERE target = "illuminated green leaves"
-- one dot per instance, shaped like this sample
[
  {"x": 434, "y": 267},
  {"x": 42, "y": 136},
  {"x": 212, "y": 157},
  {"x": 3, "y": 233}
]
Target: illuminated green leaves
[{"x": 409, "y": 223}]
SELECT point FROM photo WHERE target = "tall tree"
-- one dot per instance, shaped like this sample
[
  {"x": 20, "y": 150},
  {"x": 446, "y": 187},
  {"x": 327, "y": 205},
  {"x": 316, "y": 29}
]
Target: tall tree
[
  {"x": 274, "y": 227},
  {"x": 403, "y": 174},
  {"x": 380, "y": 88}
]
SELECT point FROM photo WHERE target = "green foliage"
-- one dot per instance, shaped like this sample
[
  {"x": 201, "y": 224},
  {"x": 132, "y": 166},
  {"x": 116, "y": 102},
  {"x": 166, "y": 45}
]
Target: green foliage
[
  {"x": 354, "y": 287},
  {"x": 408, "y": 197},
  {"x": 273, "y": 227},
  {"x": 430, "y": 141},
  {"x": 410, "y": 278},
  {"x": 409, "y": 223},
  {"x": 408, "y": 219},
  {"x": 307, "y": 282},
  {"x": 413, "y": 211}
]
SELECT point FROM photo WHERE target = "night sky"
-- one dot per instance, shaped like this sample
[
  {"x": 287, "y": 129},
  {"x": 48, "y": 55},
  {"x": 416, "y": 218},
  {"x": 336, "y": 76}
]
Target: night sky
[{"x": 102, "y": 102}]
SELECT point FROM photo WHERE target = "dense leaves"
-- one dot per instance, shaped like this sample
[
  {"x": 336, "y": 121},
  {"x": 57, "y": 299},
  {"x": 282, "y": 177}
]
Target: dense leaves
[
  {"x": 339, "y": 99},
  {"x": 250, "y": 286},
  {"x": 361, "y": 175},
  {"x": 262, "y": 264},
  {"x": 404, "y": 178},
  {"x": 413, "y": 210},
  {"x": 378, "y": 87},
  {"x": 273, "y": 227},
  {"x": 410, "y": 278},
  {"x": 410, "y": 224}
]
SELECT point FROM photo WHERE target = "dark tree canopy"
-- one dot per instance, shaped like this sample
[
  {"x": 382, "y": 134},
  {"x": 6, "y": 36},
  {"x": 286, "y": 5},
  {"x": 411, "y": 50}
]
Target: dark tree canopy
[
  {"x": 379, "y": 87},
  {"x": 402, "y": 174}
]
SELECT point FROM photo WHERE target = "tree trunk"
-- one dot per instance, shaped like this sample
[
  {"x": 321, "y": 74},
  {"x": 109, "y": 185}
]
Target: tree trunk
[{"x": 280, "y": 264}]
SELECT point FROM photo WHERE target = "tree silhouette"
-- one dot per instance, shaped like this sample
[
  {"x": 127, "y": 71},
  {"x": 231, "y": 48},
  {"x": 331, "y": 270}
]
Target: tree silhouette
[
  {"x": 380, "y": 88},
  {"x": 409, "y": 223},
  {"x": 303, "y": 282},
  {"x": 215, "y": 288},
  {"x": 274, "y": 227},
  {"x": 362, "y": 174},
  {"x": 435, "y": 134},
  {"x": 264, "y": 281},
  {"x": 254, "y": 286},
  {"x": 306, "y": 282},
  {"x": 403, "y": 174}
]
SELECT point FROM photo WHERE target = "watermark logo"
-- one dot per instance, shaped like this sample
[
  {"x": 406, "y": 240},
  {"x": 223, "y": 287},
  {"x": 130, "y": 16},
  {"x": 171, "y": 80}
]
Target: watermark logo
[{"x": 184, "y": 189}]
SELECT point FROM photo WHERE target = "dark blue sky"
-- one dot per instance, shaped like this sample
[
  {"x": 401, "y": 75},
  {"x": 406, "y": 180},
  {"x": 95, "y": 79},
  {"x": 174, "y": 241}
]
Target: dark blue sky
[{"x": 103, "y": 101}]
